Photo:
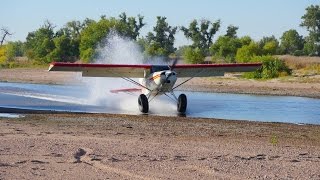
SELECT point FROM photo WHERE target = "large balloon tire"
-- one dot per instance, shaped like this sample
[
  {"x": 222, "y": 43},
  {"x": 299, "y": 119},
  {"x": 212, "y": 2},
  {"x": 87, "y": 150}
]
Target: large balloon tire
[
  {"x": 182, "y": 103},
  {"x": 143, "y": 103}
]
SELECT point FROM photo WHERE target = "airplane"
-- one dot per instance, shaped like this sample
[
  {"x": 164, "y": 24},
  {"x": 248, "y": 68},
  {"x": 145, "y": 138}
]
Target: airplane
[{"x": 154, "y": 80}]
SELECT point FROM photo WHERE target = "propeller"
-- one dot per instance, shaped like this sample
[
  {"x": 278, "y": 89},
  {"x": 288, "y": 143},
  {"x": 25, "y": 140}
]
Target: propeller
[{"x": 174, "y": 63}]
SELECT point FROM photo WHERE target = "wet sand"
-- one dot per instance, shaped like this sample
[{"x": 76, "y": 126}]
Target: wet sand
[
  {"x": 106, "y": 146},
  {"x": 101, "y": 146}
]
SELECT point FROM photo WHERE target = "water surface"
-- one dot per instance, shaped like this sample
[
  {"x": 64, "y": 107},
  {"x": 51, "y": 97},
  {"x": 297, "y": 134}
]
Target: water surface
[{"x": 208, "y": 105}]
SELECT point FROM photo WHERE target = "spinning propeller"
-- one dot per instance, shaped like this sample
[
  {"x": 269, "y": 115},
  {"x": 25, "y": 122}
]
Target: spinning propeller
[{"x": 174, "y": 63}]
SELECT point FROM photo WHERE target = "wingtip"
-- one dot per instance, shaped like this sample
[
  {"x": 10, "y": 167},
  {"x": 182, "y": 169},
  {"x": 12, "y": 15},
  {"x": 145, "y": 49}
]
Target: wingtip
[{"x": 50, "y": 66}]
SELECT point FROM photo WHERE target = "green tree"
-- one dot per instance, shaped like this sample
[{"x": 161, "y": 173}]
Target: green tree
[
  {"x": 180, "y": 51},
  {"x": 132, "y": 25},
  {"x": 67, "y": 42},
  {"x": 194, "y": 55},
  {"x": 202, "y": 34},
  {"x": 247, "y": 52},
  {"x": 269, "y": 45},
  {"x": 160, "y": 43},
  {"x": 310, "y": 47},
  {"x": 14, "y": 49},
  {"x": 245, "y": 40},
  {"x": 63, "y": 49},
  {"x": 73, "y": 32},
  {"x": 142, "y": 42},
  {"x": 270, "y": 48},
  {"x": 94, "y": 33},
  {"x": 311, "y": 20},
  {"x": 232, "y": 31},
  {"x": 225, "y": 47},
  {"x": 75, "y": 28},
  {"x": 40, "y": 43},
  {"x": 291, "y": 42}
]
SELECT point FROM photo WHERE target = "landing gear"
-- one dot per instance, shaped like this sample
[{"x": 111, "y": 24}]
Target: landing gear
[
  {"x": 143, "y": 103},
  {"x": 182, "y": 103}
]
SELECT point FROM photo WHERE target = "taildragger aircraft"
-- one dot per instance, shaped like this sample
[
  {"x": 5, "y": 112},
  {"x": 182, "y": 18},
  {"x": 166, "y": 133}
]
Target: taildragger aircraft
[{"x": 154, "y": 79}]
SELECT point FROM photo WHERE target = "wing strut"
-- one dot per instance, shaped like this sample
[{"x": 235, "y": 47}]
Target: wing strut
[
  {"x": 187, "y": 80},
  {"x": 134, "y": 82},
  {"x": 153, "y": 96},
  {"x": 182, "y": 83},
  {"x": 173, "y": 99},
  {"x": 131, "y": 81}
]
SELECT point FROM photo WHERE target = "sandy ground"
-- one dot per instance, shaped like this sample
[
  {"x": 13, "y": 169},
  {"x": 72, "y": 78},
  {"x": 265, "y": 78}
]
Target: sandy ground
[
  {"x": 85, "y": 146},
  {"x": 294, "y": 86},
  {"x": 105, "y": 146}
]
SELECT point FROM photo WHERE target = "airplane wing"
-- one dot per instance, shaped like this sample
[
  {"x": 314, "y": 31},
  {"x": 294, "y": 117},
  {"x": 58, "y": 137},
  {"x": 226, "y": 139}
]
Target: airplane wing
[
  {"x": 208, "y": 70},
  {"x": 139, "y": 71},
  {"x": 103, "y": 70}
]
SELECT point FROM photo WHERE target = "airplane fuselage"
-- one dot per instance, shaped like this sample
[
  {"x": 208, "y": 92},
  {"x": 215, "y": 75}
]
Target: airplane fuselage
[{"x": 159, "y": 82}]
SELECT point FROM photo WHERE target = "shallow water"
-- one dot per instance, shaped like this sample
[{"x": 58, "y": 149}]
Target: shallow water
[
  {"x": 208, "y": 105},
  {"x": 10, "y": 115}
]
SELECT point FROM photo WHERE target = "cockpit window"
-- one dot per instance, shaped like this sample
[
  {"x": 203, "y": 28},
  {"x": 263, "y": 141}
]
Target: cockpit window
[{"x": 159, "y": 68}]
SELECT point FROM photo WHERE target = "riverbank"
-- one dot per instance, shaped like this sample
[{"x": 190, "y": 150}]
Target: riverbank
[
  {"x": 106, "y": 146},
  {"x": 305, "y": 86}
]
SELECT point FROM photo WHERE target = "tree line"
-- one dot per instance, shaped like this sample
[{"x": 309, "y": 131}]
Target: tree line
[{"x": 78, "y": 40}]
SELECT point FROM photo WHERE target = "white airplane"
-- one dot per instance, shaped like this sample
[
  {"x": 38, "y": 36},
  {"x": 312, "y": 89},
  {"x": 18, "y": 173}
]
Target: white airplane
[{"x": 154, "y": 79}]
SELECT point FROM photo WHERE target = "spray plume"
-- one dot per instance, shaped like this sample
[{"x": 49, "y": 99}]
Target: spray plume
[{"x": 119, "y": 50}]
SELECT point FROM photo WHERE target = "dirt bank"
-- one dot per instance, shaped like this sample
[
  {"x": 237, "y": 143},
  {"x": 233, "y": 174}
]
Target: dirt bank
[{"x": 86, "y": 146}]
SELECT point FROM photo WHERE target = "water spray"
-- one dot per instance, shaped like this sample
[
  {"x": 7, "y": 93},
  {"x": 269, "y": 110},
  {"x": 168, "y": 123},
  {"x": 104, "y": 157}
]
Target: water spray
[{"x": 115, "y": 49}]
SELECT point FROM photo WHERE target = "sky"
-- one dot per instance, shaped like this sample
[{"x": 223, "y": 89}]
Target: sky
[{"x": 256, "y": 18}]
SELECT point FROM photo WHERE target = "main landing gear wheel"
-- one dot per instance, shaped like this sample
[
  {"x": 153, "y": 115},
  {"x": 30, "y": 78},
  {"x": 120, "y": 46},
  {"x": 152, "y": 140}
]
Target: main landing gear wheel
[
  {"x": 143, "y": 103},
  {"x": 182, "y": 103}
]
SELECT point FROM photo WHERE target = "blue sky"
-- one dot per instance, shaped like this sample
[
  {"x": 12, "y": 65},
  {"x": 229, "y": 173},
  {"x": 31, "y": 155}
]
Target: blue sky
[{"x": 256, "y": 18}]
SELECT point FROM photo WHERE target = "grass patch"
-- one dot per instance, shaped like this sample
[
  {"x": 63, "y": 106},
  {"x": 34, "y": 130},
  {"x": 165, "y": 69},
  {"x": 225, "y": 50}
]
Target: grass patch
[
  {"x": 274, "y": 140},
  {"x": 301, "y": 62},
  {"x": 22, "y": 62},
  {"x": 312, "y": 69}
]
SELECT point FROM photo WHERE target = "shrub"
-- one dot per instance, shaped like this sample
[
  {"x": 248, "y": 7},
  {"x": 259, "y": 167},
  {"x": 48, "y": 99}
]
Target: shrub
[
  {"x": 271, "y": 68},
  {"x": 3, "y": 52}
]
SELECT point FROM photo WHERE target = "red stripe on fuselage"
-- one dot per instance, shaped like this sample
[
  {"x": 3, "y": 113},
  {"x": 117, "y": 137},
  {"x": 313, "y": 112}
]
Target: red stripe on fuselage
[{"x": 155, "y": 77}]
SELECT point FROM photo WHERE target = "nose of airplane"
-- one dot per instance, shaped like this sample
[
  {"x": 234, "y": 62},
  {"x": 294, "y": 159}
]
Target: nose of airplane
[{"x": 168, "y": 75}]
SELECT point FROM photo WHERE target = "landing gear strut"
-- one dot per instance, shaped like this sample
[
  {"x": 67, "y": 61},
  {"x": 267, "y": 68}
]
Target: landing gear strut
[
  {"x": 182, "y": 103},
  {"x": 143, "y": 103}
]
